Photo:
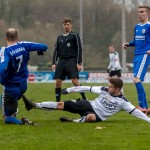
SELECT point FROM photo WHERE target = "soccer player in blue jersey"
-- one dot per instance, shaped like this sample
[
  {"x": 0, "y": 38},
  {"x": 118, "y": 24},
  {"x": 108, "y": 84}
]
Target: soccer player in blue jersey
[
  {"x": 14, "y": 73},
  {"x": 141, "y": 61}
]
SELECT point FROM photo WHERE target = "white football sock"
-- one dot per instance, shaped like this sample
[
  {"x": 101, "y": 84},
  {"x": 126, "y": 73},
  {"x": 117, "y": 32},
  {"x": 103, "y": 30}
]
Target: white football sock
[{"x": 47, "y": 105}]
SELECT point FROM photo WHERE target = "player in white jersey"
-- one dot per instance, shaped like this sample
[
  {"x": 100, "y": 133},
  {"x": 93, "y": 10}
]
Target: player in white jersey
[
  {"x": 114, "y": 67},
  {"x": 109, "y": 102}
]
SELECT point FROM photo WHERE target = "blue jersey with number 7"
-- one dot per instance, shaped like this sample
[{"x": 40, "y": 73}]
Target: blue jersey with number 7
[{"x": 14, "y": 60}]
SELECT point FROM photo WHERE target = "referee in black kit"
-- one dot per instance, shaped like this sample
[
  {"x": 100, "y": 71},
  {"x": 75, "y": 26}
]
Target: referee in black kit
[{"x": 67, "y": 58}]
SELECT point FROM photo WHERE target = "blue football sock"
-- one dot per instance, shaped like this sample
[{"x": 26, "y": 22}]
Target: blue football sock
[
  {"x": 141, "y": 95},
  {"x": 12, "y": 120}
]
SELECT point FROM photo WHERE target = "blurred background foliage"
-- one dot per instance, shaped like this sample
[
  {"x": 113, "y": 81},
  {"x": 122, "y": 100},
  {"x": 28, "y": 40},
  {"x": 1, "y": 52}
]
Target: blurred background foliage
[{"x": 41, "y": 21}]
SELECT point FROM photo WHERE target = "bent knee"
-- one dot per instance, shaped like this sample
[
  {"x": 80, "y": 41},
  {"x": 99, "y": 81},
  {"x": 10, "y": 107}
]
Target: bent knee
[
  {"x": 60, "y": 105},
  {"x": 58, "y": 83},
  {"x": 91, "y": 118},
  {"x": 75, "y": 82}
]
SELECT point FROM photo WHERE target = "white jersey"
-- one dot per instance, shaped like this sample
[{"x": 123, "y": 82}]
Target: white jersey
[
  {"x": 105, "y": 105},
  {"x": 114, "y": 63}
]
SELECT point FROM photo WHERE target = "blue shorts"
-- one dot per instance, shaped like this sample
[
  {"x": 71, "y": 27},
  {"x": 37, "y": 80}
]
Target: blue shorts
[
  {"x": 140, "y": 65},
  {"x": 11, "y": 95}
]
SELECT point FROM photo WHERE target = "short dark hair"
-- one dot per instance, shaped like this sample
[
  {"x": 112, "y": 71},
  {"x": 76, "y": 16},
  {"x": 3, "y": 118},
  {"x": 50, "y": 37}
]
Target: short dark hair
[
  {"x": 117, "y": 82},
  {"x": 12, "y": 34},
  {"x": 65, "y": 20}
]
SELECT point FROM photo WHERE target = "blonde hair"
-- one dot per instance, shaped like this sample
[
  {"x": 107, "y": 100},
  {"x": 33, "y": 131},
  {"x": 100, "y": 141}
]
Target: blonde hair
[{"x": 146, "y": 7}]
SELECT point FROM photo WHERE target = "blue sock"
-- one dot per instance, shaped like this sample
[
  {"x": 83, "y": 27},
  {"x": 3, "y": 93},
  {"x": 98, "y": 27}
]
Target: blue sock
[
  {"x": 12, "y": 120},
  {"x": 141, "y": 95}
]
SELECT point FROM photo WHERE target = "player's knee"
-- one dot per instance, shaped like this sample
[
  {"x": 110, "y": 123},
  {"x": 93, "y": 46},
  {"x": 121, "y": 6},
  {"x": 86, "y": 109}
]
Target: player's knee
[
  {"x": 75, "y": 82},
  {"x": 136, "y": 80},
  {"x": 91, "y": 118},
  {"x": 58, "y": 83},
  {"x": 60, "y": 105}
]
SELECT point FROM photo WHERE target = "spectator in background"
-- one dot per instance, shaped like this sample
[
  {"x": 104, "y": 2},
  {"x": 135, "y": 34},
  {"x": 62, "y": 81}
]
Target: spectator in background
[
  {"x": 14, "y": 73},
  {"x": 67, "y": 58},
  {"x": 114, "y": 67}
]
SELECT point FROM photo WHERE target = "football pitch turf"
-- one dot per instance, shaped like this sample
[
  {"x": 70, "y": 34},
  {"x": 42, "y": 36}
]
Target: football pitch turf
[{"x": 120, "y": 132}]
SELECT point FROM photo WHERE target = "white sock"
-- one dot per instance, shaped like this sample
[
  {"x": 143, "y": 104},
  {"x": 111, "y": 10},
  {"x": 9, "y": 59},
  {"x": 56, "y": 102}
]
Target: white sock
[
  {"x": 82, "y": 119},
  {"x": 47, "y": 105}
]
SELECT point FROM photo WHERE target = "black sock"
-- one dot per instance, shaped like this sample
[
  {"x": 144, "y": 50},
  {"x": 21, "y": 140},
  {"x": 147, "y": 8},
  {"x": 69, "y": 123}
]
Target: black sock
[
  {"x": 57, "y": 92},
  {"x": 83, "y": 96}
]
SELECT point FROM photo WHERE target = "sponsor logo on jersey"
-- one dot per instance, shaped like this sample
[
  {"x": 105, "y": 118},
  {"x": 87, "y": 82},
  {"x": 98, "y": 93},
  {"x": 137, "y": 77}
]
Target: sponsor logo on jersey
[
  {"x": 139, "y": 37},
  {"x": 108, "y": 104}
]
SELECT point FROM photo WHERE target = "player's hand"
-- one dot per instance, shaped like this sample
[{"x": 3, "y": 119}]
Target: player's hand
[
  {"x": 53, "y": 67},
  {"x": 64, "y": 91},
  {"x": 79, "y": 67},
  {"x": 125, "y": 45},
  {"x": 40, "y": 52},
  {"x": 148, "y": 52}
]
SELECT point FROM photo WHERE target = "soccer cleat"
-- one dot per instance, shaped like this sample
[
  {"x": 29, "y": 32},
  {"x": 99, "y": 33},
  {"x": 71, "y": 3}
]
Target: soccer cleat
[
  {"x": 78, "y": 99},
  {"x": 24, "y": 121},
  {"x": 65, "y": 119},
  {"x": 28, "y": 104},
  {"x": 64, "y": 91}
]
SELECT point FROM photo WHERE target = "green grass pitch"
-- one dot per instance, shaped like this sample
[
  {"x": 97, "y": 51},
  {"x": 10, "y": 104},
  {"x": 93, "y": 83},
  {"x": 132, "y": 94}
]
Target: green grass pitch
[{"x": 120, "y": 132}]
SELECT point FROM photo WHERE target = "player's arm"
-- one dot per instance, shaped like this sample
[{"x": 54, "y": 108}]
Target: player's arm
[
  {"x": 116, "y": 60},
  {"x": 129, "y": 44},
  {"x": 109, "y": 66},
  {"x": 93, "y": 89},
  {"x": 3, "y": 64},
  {"x": 128, "y": 107},
  {"x": 79, "y": 50},
  {"x": 32, "y": 46},
  {"x": 55, "y": 54}
]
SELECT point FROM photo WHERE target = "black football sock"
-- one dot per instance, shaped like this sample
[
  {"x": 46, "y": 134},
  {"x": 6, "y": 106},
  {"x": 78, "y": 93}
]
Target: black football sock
[
  {"x": 83, "y": 96},
  {"x": 57, "y": 92}
]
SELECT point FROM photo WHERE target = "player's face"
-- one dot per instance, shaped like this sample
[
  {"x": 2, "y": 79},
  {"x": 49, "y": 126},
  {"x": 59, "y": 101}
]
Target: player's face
[
  {"x": 67, "y": 27},
  {"x": 143, "y": 16},
  {"x": 111, "y": 49},
  {"x": 112, "y": 90}
]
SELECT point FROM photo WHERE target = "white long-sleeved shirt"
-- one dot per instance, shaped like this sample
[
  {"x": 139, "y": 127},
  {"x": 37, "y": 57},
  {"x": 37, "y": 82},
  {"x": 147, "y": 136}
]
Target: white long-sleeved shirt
[
  {"x": 114, "y": 63},
  {"x": 105, "y": 105}
]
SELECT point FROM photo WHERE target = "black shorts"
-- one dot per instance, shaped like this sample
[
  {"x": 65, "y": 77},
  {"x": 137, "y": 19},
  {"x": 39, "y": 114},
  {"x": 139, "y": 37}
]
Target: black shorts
[
  {"x": 66, "y": 68},
  {"x": 81, "y": 107},
  {"x": 115, "y": 73}
]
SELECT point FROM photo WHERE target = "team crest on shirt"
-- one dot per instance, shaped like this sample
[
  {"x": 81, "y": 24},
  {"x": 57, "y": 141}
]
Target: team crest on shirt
[
  {"x": 68, "y": 44},
  {"x": 143, "y": 31}
]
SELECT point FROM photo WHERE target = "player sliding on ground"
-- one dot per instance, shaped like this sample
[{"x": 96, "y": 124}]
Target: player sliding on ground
[{"x": 109, "y": 102}]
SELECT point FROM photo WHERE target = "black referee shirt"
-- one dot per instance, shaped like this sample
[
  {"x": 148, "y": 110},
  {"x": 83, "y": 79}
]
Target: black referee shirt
[{"x": 68, "y": 46}]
